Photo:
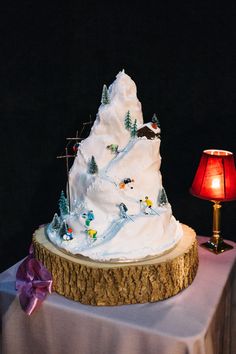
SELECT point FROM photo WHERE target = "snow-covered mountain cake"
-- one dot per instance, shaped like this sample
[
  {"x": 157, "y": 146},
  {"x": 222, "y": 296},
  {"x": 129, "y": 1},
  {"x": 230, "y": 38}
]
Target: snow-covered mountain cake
[{"x": 117, "y": 208}]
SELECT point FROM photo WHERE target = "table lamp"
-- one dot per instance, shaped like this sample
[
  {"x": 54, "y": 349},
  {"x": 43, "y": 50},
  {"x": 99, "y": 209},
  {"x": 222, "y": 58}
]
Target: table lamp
[{"x": 215, "y": 180}]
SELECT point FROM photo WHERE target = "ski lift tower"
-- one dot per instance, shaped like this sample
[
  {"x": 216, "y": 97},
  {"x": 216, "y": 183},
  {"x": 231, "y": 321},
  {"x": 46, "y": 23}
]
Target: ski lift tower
[{"x": 78, "y": 138}]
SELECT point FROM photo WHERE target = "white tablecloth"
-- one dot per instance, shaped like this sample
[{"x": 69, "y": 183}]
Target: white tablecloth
[{"x": 195, "y": 321}]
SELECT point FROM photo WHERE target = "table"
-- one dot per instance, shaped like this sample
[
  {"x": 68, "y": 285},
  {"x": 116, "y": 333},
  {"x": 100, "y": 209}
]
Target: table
[{"x": 195, "y": 321}]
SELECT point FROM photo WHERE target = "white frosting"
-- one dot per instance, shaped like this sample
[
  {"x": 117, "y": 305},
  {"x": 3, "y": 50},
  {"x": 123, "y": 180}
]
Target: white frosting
[{"x": 119, "y": 238}]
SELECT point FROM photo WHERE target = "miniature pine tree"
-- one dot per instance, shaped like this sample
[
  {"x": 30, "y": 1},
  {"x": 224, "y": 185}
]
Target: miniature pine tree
[
  {"x": 134, "y": 129},
  {"x": 156, "y": 120},
  {"x": 93, "y": 167},
  {"x": 63, "y": 228},
  {"x": 63, "y": 204},
  {"x": 128, "y": 121},
  {"x": 105, "y": 95},
  {"x": 162, "y": 197},
  {"x": 56, "y": 223}
]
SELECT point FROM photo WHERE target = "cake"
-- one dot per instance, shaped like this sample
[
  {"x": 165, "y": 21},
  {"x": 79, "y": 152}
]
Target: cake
[
  {"x": 118, "y": 210},
  {"x": 115, "y": 240}
]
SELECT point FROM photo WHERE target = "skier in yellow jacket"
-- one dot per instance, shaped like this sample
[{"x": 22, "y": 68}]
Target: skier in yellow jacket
[
  {"x": 92, "y": 233},
  {"x": 147, "y": 203}
]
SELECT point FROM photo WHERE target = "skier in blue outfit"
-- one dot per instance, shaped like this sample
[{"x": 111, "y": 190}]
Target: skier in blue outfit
[{"x": 89, "y": 217}]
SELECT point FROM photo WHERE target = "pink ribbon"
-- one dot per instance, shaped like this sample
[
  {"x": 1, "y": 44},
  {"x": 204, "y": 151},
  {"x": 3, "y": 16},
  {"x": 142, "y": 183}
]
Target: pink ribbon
[{"x": 33, "y": 283}]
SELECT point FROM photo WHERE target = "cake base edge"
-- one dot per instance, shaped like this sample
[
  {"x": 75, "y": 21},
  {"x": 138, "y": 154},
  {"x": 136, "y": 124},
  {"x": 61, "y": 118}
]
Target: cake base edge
[{"x": 108, "y": 284}]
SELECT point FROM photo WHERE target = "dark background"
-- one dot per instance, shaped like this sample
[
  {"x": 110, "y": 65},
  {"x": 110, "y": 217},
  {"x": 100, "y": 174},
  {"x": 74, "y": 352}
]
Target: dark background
[{"x": 55, "y": 59}]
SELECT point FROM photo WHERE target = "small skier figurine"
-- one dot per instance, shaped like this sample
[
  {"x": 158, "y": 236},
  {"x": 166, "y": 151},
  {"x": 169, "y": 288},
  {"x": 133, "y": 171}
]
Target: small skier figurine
[
  {"x": 126, "y": 181},
  {"x": 123, "y": 210},
  {"x": 92, "y": 234},
  {"x": 75, "y": 147},
  {"x": 147, "y": 205},
  {"x": 69, "y": 235},
  {"x": 89, "y": 217},
  {"x": 113, "y": 148}
]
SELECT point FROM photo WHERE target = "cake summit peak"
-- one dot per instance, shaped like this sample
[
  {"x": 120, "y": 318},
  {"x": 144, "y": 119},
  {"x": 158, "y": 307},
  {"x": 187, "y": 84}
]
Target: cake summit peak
[{"x": 124, "y": 87}]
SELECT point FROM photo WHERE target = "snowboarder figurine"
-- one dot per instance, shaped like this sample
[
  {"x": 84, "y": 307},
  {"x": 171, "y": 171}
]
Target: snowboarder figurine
[
  {"x": 113, "y": 148},
  {"x": 92, "y": 234},
  {"x": 69, "y": 235},
  {"x": 125, "y": 181},
  {"x": 147, "y": 203},
  {"x": 123, "y": 210}
]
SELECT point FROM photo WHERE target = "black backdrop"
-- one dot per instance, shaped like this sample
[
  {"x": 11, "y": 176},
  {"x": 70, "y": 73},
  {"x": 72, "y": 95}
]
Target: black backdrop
[{"x": 54, "y": 62}]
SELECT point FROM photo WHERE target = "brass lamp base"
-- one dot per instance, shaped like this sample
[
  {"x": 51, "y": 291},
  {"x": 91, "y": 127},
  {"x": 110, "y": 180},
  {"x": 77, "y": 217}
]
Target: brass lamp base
[
  {"x": 216, "y": 247},
  {"x": 216, "y": 243}
]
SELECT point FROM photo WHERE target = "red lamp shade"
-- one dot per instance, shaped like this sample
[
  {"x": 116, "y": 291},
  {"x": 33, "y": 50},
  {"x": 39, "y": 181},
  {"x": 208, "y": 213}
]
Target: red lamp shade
[{"x": 215, "y": 178}]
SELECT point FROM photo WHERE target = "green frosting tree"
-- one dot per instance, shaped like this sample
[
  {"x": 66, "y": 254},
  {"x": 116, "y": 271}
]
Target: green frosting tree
[
  {"x": 128, "y": 121},
  {"x": 63, "y": 205},
  {"x": 93, "y": 167},
  {"x": 162, "y": 197},
  {"x": 56, "y": 222},
  {"x": 134, "y": 129},
  {"x": 105, "y": 95}
]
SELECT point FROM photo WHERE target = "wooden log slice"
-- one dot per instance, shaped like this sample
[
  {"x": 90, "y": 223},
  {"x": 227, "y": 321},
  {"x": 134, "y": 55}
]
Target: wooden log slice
[{"x": 104, "y": 284}]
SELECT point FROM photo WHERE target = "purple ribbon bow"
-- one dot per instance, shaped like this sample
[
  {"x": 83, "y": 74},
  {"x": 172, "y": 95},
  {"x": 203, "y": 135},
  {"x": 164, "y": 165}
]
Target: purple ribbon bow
[{"x": 33, "y": 283}]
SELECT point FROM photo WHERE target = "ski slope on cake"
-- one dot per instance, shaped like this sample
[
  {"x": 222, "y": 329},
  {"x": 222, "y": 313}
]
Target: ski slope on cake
[
  {"x": 138, "y": 241},
  {"x": 122, "y": 242}
]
